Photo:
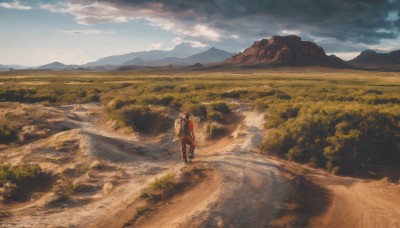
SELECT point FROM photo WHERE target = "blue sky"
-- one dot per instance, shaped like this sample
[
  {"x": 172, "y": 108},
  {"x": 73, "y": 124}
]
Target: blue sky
[{"x": 76, "y": 32}]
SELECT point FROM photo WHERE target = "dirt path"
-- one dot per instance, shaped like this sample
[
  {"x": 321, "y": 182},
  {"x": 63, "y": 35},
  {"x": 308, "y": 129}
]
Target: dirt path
[
  {"x": 335, "y": 201},
  {"x": 358, "y": 203},
  {"x": 249, "y": 191},
  {"x": 175, "y": 213}
]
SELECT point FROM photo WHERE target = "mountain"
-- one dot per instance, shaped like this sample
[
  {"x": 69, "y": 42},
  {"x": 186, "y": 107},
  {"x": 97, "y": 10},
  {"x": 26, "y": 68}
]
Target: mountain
[
  {"x": 56, "y": 66},
  {"x": 182, "y": 50},
  {"x": 209, "y": 56},
  {"x": 285, "y": 51},
  {"x": 14, "y": 67},
  {"x": 370, "y": 59}
]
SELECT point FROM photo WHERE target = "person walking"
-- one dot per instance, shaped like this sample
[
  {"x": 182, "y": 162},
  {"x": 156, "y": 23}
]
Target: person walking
[{"x": 186, "y": 137}]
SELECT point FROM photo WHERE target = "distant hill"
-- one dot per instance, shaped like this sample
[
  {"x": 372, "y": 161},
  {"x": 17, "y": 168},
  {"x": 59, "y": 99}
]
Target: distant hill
[
  {"x": 285, "y": 51},
  {"x": 14, "y": 67},
  {"x": 370, "y": 59},
  {"x": 182, "y": 50},
  {"x": 57, "y": 66},
  {"x": 209, "y": 56}
]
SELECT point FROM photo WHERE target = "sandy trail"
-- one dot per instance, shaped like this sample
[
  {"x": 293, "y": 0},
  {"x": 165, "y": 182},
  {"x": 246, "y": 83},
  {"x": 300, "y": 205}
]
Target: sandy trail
[
  {"x": 337, "y": 201},
  {"x": 248, "y": 193},
  {"x": 358, "y": 203}
]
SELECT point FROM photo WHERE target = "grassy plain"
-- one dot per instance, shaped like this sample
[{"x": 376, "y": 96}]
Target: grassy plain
[{"x": 338, "y": 119}]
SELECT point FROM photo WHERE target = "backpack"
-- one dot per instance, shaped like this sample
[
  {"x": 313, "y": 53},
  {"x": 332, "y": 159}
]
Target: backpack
[{"x": 182, "y": 127}]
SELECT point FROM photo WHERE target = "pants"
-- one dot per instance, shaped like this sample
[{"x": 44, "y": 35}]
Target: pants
[{"x": 183, "y": 141}]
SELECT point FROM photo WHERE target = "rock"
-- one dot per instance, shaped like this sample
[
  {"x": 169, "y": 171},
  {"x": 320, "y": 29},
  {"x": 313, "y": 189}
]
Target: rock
[{"x": 284, "y": 50}]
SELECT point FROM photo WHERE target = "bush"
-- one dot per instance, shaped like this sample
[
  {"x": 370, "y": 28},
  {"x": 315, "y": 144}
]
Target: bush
[
  {"x": 141, "y": 118},
  {"x": 214, "y": 131},
  {"x": 7, "y": 133},
  {"x": 216, "y": 116},
  {"x": 341, "y": 137},
  {"x": 115, "y": 104},
  {"x": 220, "y": 107},
  {"x": 164, "y": 183},
  {"x": 141, "y": 210},
  {"x": 198, "y": 110},
  {"x": 15, "y": 178}
]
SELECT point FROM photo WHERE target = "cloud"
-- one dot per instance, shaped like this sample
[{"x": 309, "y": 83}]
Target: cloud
[
  {"x": 356, "y": 21},
  {"x": 15, "y": 5},
  {"x": 89, "y": 12},
  {"x": 192, "y": 43},
  {"x": 157, "y": 46},
  {"x": 87, "y": 32}
]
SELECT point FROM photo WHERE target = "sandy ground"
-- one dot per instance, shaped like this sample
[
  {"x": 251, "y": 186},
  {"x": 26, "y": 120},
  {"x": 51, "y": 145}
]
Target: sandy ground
[
  {"x": 336, "y": 201},
  {"x": 358, "y": 203},
  {"x": 133, "y": 165}
]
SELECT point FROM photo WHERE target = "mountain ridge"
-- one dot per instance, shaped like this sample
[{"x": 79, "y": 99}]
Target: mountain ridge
[
  {"x": 373, "y": 60},
  {"x": 181, "y": 50},
  {"x": 209, "y": 56}
]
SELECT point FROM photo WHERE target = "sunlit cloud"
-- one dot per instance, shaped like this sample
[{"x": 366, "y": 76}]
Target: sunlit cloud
[
  {"x": 87, "y": 32},
  {"x": 157, "y": 46},
  {"x": 192, "y": 43},
  {"x": 88, "y": 13},
  {"x": 15, "y": 5}
]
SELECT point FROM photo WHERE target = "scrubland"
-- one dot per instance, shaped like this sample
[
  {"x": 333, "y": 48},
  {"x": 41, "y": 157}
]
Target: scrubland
[
  {"x": 79, "y": 135},
  {"x": 342, "y": 120}
]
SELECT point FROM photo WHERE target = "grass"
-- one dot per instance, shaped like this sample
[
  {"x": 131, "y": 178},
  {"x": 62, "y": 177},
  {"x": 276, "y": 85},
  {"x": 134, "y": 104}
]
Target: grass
[
  {"x": 14, "y": 179},
  {"x": 164, "y": 183},
  {"x": 141, "y": 210},
  {"x": 8, "y": 133},
  {"x": 160, "y": 186}
]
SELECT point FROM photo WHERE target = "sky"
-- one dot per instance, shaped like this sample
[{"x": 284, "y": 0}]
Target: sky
[{"x": 38, "y": 32}]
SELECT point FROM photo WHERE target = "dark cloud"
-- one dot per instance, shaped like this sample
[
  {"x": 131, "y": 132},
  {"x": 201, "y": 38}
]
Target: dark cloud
[{"x": 346, "y": 20}]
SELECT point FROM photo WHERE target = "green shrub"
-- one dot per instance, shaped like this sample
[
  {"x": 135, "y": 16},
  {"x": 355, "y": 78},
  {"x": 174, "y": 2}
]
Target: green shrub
[
  {"x": 115, "y": 104},
  {"x": 141, "y": 210},
  {"x": 341, "y": 137},
  {"x": 7, "y": 133},
  {"x": 164, "y": 183},
  {"x": 216, "y": 116},
  {"x": 20, "y": 177},
  {"x": 220, "y": 107},
  {"x": 141, "y": 118},
  {"x": 260, "y": 104},
  {"x": 214, "y": 131},
  {"x": 198, "y": 110}
]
